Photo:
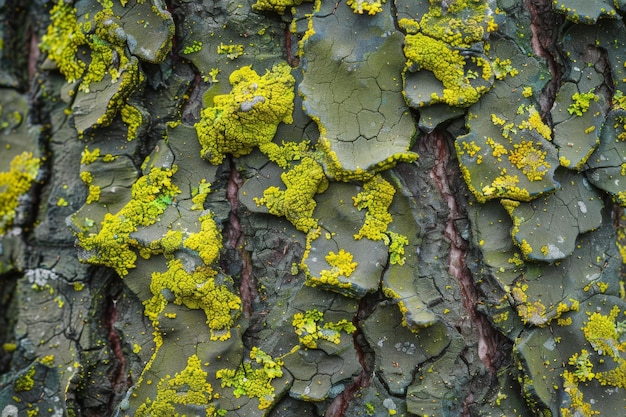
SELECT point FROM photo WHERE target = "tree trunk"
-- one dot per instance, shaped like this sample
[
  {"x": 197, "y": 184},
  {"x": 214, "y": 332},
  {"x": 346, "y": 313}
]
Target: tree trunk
[{"x": 290, "y": 208}]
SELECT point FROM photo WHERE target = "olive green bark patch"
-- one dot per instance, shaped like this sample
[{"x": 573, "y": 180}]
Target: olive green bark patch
[
  {"x": 389, "y": 338},
  {"x": 546, "y": 228},
  {"x": 352, "y": 88}
]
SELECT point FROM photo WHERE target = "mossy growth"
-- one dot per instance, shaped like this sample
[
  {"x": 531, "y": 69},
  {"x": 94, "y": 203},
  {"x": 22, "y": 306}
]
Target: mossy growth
[
  {"x": 194, "y": 290},
  {"x": 132, "y": 117},
  {"x": 66, "y": 41},
  {"x": 364, "y": 6},
  {"x": 278, "y": 6},
  {"x": 434, "y": 44},
  {"x": 296, "y": 202},
  {"x": 251, "y": 380},
  {"x": 199, "y": 194},
  {"x": 376, "y": 197},
  {"x": 14, "y": 183},
  {"x": 62, "y": 40},
  {"x": 342, "y": 267},
  {"x": 112, "y": 244},
  {"x": 459, "y": 23},
  {"x": 188, "y": 387},
  {"x": 207, "y": 242},
  {"x": 447, "y": 65},
  {"x": 283, "y": 154},
  {"x": 606, "y": 335},
  {"x": 308, "y": 326},
  {"x": 581, "y": 102},
  {"x": 26, "y": 381},
  {"x": 535, "y": 313},
  {"x": 249, "y": 115}
]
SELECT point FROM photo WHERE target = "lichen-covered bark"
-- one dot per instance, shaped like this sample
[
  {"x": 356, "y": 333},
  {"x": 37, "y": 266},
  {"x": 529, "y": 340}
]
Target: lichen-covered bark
[{"x": 290, "y": 208}]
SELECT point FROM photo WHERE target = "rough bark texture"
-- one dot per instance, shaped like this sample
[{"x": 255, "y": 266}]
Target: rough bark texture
[{"x": 312, "y": 208}]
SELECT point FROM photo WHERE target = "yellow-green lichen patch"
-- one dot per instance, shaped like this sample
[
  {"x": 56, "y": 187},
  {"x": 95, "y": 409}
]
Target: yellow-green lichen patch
[
  {"x": 337, "y": 276},
  {"x": 577, "y": 130},
  {"x": 576, "y": 208},
  {"x": 296, "y": 202},
  {"x": 254, "y": 379},
  {"x": 459, "y": 23},
  {"x": 335, "y": 239},
  {"x": 364, "y": 6},
  {"x": 179, "y": 395},
  {"x": 354, "y": 93},
  {"x": 248, "y": 116},
  {"x": 597, "y": 362},
  {"x": 198, "y": 289},
  {"x": 111, "y": 243},
  {"x": 311, "y": 329},
  {"x": 283, "y": 154},
  {"x": 278, "y": 6},
  {"x": 519, "y": 166},
  {"x": 448, "y": 66},
  {"x": 442, "y": 66},
  {"x": 207, "y": 242},
  {"x": 14, "y": 183},
  {"x": 62, "y": 40},
  {"x": 376, "y": 197},
  {"x": 232, "y": 51},
  {"x": 133, "y": 118},
  {"x": 588, "y": 12}
]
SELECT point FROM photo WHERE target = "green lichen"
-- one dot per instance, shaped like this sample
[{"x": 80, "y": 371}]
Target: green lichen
[
  {"x": 112, "y": 245},
  {"x": 188, "y": 387},
  {"x": 448, "y": 66},
  {"x": 581, "y": 102},
  {"x": 251, "y": 380},
  {"x": 14, "y": 183},
  {"x": 436, "y": 42},
  {"x": 195, "y": 290},
  {"x": 232, "y": 51},
  {"x": 62, "y": 40},
  {"x": 89, "y": 157},
  {"x": 459, "y": 23},
  {"x": 308, "y": 326},
  {"x": 342, "y": 267},
  {"x": 369, "y": 7},
  {"x": 376, "y": 197},
  {"x": 199, "y": 195},
  {"x": 249, "y": 115},
  {"x": 25, "y": 382},
  {"x": 196, "y": 46},
  {"x": 207, "y": 242},
  {"x": 296, "y": 202},
  {"x": 283, "y": 154},
  {"x": 605, "y": 334},
  {"x": 133, "y": 119},
  {"x": 278, "y": 6}
]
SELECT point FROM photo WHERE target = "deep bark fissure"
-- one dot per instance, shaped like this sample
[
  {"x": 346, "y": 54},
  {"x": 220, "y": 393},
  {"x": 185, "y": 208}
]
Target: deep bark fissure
[
  {"x": 544, "y": 26},
  {"x": 235, "y": 240}
]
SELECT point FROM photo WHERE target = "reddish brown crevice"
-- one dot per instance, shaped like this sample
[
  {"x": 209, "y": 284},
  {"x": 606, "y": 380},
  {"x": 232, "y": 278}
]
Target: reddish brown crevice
[
  {"x": 119, "y": 380},
  {"x": 545, "y": 24},
  {"x": 291, "y": 59},
  {"x": 339, "y": 405},
  {"x": 235, "y": 240},
  {"x": 443, "y": 176}
]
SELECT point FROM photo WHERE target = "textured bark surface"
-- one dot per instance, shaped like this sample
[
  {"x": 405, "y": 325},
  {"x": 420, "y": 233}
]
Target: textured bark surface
[{"x": 312, "y": 208}]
